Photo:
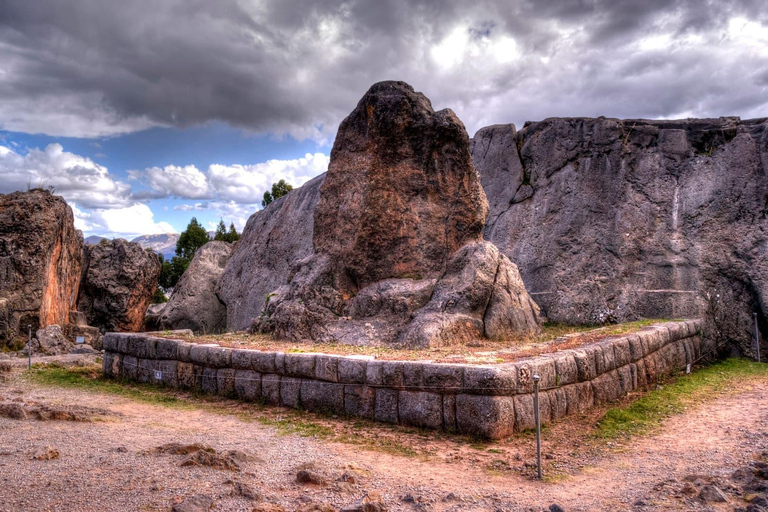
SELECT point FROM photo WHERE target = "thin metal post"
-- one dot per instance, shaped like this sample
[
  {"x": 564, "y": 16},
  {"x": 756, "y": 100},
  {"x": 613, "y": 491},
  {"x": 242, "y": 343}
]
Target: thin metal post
[
  {"x": 757, "y": 336},
  {"x": 29, "y": 347},
  {"x": 538, "y": 423}
]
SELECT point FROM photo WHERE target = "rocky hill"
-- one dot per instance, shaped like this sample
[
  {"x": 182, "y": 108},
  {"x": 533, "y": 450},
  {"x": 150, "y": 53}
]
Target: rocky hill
[
  {"x": 613, "y": 220},
  {"x": 164, "y": 244}
]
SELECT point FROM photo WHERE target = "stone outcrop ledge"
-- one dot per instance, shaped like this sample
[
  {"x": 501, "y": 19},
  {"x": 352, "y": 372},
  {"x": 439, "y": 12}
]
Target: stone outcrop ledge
[{"x": 492, "y": 401}]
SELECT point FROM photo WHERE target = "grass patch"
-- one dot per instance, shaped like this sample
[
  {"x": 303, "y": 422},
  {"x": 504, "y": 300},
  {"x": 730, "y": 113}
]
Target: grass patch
[
  {"x": 90, "y": 378},
  {"x": 649, "y": 411}
]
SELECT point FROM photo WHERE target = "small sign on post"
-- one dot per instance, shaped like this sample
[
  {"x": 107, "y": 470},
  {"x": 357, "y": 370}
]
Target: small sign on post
[
  {"x": 80, "y": 340},
  {"x": 158, "y": 375},
  {"x": 536, "y": 379}
]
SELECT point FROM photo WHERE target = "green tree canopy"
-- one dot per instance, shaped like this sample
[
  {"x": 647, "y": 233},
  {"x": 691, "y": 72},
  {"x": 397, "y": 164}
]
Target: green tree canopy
[
  {"x": 193, "y": 238},
  {"x": 279, "y": 189},
  {"x": 224, "y": 235}
]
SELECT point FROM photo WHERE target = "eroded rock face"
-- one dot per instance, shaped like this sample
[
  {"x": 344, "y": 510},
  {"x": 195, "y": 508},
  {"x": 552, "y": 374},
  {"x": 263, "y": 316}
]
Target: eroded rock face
[
  {"x": 41, "y": 257},
  {"x": 272, "y": 241},
  {"x": 612, "y": 220},
  {"x": 398, "y": 256},
  {"x": 194, "y": 304},
  {"x": 401, "y": 195},
  {"x": 119, "y": 281}
]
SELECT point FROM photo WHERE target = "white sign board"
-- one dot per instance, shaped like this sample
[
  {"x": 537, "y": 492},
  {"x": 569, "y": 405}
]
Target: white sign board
[{"x": 80, "y": 340}]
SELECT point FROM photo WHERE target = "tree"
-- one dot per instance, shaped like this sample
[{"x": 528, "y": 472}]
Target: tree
[
  {"x": 221, "y": 231},
  {"x": 279, "y": 189},
  {"x": 226, "y": 236},
  {"x": 233, "y": 235},
  {"x": 193, "y": 238}
]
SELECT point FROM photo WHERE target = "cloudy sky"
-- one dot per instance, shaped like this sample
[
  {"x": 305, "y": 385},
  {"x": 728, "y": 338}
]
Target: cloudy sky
[{"x": 143, "y": 113}]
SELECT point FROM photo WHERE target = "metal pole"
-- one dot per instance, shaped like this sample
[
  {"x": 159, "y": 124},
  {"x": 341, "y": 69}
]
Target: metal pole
[
  {"x": 538, "y": 423},
  {"x": 29, "y": 347},
  {"x": 757, "y": 336}
]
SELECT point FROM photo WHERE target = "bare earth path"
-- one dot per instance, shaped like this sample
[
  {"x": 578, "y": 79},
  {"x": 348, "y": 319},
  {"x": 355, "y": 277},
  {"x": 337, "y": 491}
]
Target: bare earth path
[{"x": 102, "y": 464}]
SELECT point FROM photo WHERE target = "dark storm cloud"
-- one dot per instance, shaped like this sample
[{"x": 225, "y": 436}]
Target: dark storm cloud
[{"x": 90, "y": 68}]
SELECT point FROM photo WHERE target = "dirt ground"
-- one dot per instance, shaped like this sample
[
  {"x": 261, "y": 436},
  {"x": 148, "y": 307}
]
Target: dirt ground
[{"x": 111, "y": 462}]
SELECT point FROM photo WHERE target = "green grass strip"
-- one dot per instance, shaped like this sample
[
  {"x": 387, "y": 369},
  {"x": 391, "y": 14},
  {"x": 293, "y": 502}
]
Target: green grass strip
[{"x": 647, "y": 412}]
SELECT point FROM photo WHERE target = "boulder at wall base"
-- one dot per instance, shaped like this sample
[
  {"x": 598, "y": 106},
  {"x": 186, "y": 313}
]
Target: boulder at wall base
[
  {"x": 119, "y": 282},
  {"x": 194, "y": 304},
  {"x": 51, "y": 341},
  {"x": 152, "y": 316},
  {"x": 41, "y": 258},
  {"x": 397, "y": 236}
]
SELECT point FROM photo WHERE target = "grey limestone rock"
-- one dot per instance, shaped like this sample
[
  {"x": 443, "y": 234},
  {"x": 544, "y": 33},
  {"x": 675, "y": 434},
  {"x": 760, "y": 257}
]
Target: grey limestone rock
[{"x": 194, "y": 304}]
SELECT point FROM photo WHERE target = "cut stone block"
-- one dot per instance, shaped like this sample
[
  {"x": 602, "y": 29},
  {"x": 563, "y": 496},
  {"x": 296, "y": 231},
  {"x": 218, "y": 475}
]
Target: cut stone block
[
  {"x": 443, "y": 378},
  {"x": 386, "y": 405},
  {"x": 491, "y": 417},
  {"x": 263, "y": 362},
  {"x": 169, "y": 373},
  {"x": 585, "y": 365},
  {"x": 420, "y": 409},
  {"x": 565, "y": 369},
  {"x": 606, "y": 387},
  {"x": 219, "y": 357},
  {"x": 300, "y": 365},
  {"x": 490, "y": 380},
  {"x": 241, "y": 359},
  {"x": 225, "y": 382},
  {"x": 290, "y": 392},
  {"x": 351, "y": 370},
  {"x": 322, "y": 396},
  {"x": 167, "y": 349},
  {"x": 186, "y": 375},
  {"x": 359, "y": 401},
  {"x": 327, "y": 368},
  {"x": 248, "y": 385},
  {"x": 621, "y": 352},
  {"x": 449, "y": 413},
  {"x": 270, "y": 388},
  {"x": 210, "y": 381}
]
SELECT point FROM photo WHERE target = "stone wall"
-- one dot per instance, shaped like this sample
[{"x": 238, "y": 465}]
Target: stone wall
[{"x": 490, "y": 401}]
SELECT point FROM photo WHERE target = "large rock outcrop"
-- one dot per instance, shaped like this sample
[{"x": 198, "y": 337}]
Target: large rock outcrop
[
  {"x": 613, "y": 220},
  {"x": 41, "y": 257},
  {"x": 119, "y": 281},
  {"x": 398, "y": 255},
  {"x": 194, "y": 304},
  {"x": 272, "y": 241}
]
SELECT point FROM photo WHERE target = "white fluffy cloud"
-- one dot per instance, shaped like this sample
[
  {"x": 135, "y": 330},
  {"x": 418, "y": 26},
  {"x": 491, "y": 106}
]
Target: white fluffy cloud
[
  {"x": 128, "y": 222},
  {"x": 246, "y": 184},
  {"x": 76, "y": 178},
  {"x": 172, "y": 180}
]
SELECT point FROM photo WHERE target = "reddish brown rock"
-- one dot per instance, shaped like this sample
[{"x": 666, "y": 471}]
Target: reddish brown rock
[
  {"x": 401, "y": 194},
  {"x": 118, "y": 284},
  {"x": 41, "y": 257}
]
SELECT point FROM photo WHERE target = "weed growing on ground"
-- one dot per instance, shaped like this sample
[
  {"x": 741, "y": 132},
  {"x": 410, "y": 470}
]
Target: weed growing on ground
[{"x": 647, "y": 412}]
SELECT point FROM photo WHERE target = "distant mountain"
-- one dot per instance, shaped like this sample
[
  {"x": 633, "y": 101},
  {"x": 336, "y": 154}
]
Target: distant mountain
[
  {"x": 94, "y": 239},
  {"x": 164, "y": 244}
]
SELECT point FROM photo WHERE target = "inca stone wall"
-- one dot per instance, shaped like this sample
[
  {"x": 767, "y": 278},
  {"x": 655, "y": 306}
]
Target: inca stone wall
[{"x": 490, "y": 401}]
